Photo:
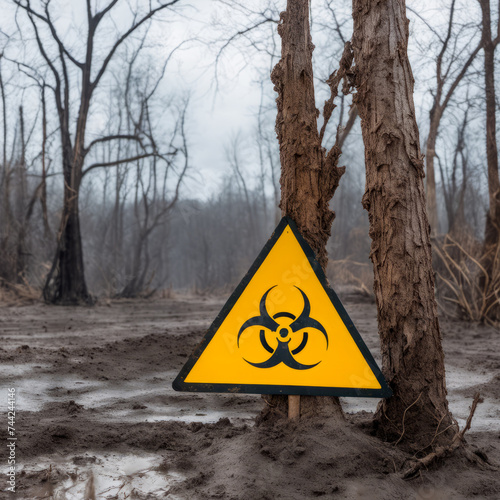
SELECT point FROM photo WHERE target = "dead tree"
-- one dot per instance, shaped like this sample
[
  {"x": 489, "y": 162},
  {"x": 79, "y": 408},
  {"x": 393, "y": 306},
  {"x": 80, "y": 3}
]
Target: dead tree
[
  {"x": 16, "y": 200},
  {"x": 7, "y": 219},
  {"x": 43, "y": 183},
  {"x": 152, "y": 204},
  {"x": 66, "y": 280},
  {"x": 40, "y": 192},
  {"x": 413, "y": 361},
  {"x": 20, "y": 203},
  {"x": 451, "y": 69},
  {"x": 309, "y": 173},
  {"x": 152, "y": 200},
  {"x": 453, "y": 190},
  {"x": 491, "y": 246},
  {"x": 234, "y": 151}
]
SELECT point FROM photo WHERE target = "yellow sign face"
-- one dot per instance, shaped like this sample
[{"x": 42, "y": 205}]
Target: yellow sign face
[{"x": 283, "y": 331}]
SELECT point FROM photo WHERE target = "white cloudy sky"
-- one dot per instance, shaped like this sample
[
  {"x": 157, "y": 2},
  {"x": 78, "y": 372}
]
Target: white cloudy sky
[
  {"x": 215, "y": 117},
  {"x": 218, "y": 111}
]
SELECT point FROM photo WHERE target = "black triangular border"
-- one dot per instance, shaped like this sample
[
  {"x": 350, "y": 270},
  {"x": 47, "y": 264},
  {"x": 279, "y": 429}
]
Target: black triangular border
[{"x": 179, "y": 384}]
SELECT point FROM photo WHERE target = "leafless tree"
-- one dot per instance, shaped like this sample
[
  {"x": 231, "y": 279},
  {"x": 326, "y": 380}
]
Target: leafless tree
[
  {"x": 17, "y": 194},
  {"x": 66, "y": 279},
  {"x": 456, "y": 179},
  {"x": 491, "y": 248},
  {"x": 153, "y": 203},
  {"x": 413, "y": 361},
  {"x": 309, "y": 173},
  {"x": 452, "y": 63}
]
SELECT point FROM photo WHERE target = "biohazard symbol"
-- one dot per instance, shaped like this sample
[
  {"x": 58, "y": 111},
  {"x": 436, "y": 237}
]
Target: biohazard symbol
[{"x": 282, "y": 353}]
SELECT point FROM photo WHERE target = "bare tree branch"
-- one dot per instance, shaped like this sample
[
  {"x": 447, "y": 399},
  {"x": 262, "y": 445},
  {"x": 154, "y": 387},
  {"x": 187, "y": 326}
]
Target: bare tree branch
[
  {"x": 120, "y": 40},
  {"x": 112, "y": 138},
  {"x": 116, "y": 162}
]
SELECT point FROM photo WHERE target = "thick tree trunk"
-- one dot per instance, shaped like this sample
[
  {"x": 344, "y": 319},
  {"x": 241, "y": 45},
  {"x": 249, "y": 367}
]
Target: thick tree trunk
[
  {"x": 491, "y": 254},
  {"x": 65, "y": 282},
  {"x": 309, "y": 176},
  {"x": 413, "y": 362}
]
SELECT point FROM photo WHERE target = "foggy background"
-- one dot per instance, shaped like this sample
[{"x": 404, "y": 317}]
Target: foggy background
[{"x": 196, "y": 216}]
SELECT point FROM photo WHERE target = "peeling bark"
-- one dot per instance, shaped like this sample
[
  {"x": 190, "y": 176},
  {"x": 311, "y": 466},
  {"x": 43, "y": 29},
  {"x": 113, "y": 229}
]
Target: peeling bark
[
  {"x": 413, "y": 362},
  {"x": 309, "y": 174}
]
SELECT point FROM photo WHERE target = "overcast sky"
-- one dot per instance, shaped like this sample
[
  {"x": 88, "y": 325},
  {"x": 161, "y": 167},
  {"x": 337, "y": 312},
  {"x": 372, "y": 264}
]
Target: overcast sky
[
  {"x": 217, "y": 112},
  {"x": 214, "y": 117}
]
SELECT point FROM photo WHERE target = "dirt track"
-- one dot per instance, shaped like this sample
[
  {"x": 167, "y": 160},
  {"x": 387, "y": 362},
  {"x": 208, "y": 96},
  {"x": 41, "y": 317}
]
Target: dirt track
[{"x": 96, "y": 412}]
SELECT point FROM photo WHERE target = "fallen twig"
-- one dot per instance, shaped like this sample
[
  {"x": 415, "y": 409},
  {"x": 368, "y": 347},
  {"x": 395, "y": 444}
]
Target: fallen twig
[{"x": 442, "y": 451}]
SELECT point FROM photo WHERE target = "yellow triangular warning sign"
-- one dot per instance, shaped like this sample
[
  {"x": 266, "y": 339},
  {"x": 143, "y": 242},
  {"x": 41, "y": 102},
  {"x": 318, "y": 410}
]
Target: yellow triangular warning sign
[{"x": 283, "y": 331}]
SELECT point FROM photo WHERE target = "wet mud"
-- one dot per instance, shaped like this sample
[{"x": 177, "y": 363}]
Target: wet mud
[{"x": 96, "y": 416}]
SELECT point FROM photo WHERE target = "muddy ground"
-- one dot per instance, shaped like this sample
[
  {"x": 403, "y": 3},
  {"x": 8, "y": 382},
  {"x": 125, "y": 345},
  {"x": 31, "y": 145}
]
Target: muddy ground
[{"x": 97, "y": 417}]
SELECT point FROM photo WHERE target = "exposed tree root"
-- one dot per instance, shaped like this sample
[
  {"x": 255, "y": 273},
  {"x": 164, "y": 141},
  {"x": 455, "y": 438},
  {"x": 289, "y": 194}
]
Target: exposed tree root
[{"x": 458, "y": 442}]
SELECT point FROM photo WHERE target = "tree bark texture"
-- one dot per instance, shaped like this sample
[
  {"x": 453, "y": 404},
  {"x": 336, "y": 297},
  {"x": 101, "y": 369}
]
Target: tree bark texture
[
  {"x": 413, "y": 361},
  {"x": 309, "y": 174},
  {"x": 491, "y": 254}
]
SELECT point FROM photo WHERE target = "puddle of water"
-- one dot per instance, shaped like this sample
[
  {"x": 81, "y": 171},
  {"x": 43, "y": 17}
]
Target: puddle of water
[
  {"x": 109, "y": 476},
  {"x": 33, "y": 393},
  {"x": 177, "y": 413},
  {"x": 462, "y": 379},
  {"x": 18, "y": 370},
  {"x": 486, "y": 417},
  {"x": 355, "y": 405}
]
